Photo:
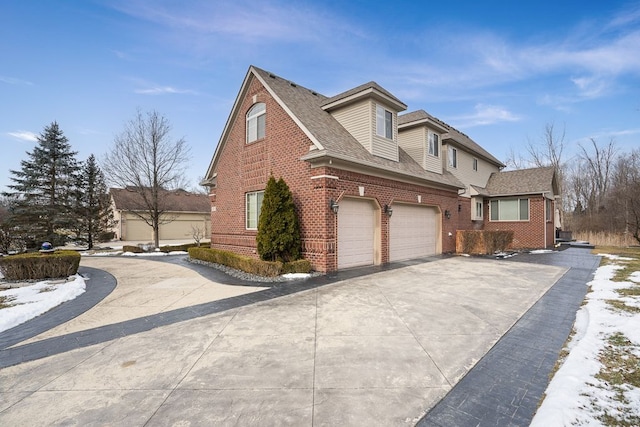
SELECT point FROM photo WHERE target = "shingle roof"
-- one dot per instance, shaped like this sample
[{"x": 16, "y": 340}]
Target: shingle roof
[
  {"x": 523, "y": 181},
  {"x": 334, "y": 139},
  {"x": 127, "y": 199},
  {"x": 452, "y": 134},
  {"x": 361, "y": 88}
]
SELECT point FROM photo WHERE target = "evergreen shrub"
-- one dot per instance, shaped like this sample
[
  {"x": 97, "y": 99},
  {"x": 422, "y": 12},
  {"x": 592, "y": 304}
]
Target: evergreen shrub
[{"x": 37, "y": 266}]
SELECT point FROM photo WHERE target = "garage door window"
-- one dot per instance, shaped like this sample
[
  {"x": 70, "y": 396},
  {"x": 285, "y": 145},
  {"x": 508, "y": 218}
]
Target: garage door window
[{"x": 253, "y": 206}]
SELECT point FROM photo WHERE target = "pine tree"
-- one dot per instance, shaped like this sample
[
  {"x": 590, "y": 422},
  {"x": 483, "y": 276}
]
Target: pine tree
[
  {"x": 93, "y": 204},
  {"x": 43, "y": 190},
  {"x": 278, "y": 228}
]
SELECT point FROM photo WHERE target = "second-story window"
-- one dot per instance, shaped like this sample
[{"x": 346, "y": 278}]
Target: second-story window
[
  {"x": 434, "y": 144},
  {"x": 384, "y": 122},
  {"x": 453, "y": 157},
  {"x": 475, "y": 164},
  {"x": 256, "y": 122}
]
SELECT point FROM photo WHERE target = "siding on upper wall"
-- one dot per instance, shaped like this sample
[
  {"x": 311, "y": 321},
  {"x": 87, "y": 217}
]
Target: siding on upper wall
[
  {"x": 356, "y": 119},
  {"x": 465, "y": 173},
  {"x": 433, "y": 163},
  {"x": 380, "y": 146},
  {"x": 413, "y": 142}
]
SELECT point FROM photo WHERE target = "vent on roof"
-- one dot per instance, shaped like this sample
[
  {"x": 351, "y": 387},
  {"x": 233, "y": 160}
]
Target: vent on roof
[
  {"x": 293, "y": 84},
  {"x": 314, "y": 93},
  {"x": 273, "y": 76}
]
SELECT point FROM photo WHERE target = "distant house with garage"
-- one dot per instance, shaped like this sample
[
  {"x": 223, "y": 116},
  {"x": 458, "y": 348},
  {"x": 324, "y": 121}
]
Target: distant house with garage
[
  {"x": 183, "y": 213},
  {"x": 371, "y": 185}
]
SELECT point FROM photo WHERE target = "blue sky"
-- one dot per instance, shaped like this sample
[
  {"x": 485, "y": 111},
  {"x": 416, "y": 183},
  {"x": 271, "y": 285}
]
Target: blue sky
[{"x": 497, "y": 70}]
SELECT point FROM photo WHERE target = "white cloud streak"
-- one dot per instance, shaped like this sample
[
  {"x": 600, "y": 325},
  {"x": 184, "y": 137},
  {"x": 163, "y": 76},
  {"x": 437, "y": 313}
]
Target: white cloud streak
[
  {"x": 14, "y": 81},
  {"x": 485, "y": 115},
  {"x": 164, "y": 90},
  {"x": 24, "y": 135}
]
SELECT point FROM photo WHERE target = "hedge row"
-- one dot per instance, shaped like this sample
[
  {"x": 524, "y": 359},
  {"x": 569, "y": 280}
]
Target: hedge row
[
  {"x": 37, "y": 266},
  {"x": 483, "y": 242},
  {"x": 247, "y": 264}
]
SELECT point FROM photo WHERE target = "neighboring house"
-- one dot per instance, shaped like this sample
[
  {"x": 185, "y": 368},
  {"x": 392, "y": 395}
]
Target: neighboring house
[
  {"x": 185, "y": 213},
  {"x": 370, "y": 185}
]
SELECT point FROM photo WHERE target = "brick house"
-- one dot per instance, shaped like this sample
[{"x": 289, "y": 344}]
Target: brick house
[{"x": 370, "y": 185}]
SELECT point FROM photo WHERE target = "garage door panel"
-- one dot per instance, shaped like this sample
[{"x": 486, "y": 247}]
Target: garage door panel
[
  {"x": 356, "y": 231},
  {"x": 412, "y": 232}
]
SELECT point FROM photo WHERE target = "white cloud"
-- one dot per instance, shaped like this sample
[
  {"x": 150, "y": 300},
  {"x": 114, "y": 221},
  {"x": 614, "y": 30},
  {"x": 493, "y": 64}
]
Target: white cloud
[
  {"x": 14, "y": 81},
  {"x": 485, "y": 115},
  {"x": 24, "y": 135},
  {"x": 162, "y": 90}
]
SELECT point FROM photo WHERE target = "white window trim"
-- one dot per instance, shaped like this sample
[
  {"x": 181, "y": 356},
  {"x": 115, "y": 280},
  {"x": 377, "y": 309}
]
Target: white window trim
[
  {"x": 433, "y": 144},
  {"x": 511, "y": 220},
  {"x": 474, "y": 164},
  {"x": 382, "y": 127},
  {"x": 475, "y": 209},
  {"x": 255, "y": 116},
  {"x": 247, "y": 198},
  {"x": 453, "y": 157}
]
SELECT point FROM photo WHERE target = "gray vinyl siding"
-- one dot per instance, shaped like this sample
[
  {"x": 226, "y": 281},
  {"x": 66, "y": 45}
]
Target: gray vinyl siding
[
  {"x": 357, "y": 120},
  {"x": 380, "y": 146}
]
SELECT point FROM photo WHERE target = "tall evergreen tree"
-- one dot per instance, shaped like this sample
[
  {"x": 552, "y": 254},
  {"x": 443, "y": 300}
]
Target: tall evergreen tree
[
  {"x": 278, "y": 237},
  {"x": 43, "y": 189},
  {"x": 93, "y": 203}
]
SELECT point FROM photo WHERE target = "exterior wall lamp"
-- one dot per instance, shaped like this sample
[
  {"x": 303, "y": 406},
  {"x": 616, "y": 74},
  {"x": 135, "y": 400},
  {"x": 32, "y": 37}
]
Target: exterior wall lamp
[
  {"x": 388, "y": 210},
  {"x": 334, "y": 206},
  {"x": 447, "y": 214}
]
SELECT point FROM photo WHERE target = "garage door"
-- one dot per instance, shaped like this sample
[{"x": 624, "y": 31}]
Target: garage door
[
  {"x": 412, "y": 232},
  {"x": 356, "y": 231}
]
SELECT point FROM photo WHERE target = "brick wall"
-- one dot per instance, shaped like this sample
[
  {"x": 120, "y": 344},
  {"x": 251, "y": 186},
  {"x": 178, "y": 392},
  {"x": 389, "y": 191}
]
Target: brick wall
[
  {"x": 242, "y": 168},
  {"x": 527, "y": 234}
]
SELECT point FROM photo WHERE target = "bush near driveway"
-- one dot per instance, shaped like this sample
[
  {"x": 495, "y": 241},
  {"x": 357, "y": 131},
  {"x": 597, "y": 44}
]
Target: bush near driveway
[
  {"x": 247, "y": 264},
  {"x": 36, "y": 266}
]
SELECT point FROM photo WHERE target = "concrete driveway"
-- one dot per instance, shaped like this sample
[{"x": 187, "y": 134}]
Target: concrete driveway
[{"x": 380, "y": 349}]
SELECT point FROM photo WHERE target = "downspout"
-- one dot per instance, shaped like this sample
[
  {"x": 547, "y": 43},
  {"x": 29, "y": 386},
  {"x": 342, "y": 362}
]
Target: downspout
[{"x": 544, "y": 219}]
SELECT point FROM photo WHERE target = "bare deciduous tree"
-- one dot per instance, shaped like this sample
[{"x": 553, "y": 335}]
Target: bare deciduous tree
[{"x": 146, "y": 160}]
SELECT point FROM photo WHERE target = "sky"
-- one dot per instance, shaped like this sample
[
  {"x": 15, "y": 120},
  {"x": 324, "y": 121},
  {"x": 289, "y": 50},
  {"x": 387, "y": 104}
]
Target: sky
[{"x": 499, "y": 71}]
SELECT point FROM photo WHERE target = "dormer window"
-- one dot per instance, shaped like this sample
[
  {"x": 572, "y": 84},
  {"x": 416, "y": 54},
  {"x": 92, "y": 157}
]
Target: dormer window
[
  {"x": 256, "y": 122},
  {"x": 384, "y": 122},
  {"x": 434, "y": 144},
  {"x": 453, "y": 157}
]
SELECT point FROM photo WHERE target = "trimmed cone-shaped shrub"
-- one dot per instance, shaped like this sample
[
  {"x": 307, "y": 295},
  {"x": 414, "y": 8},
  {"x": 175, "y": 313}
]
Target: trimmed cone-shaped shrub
[{"x": 278, "y": 236}]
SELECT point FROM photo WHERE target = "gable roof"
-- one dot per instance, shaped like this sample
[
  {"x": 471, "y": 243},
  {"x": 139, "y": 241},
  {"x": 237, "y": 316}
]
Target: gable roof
[
  {"x": 419, "y": 117},
  {"x": 330, "y": 139},
  {"x": 371, "y": 88},
  {"x": 523, "y": 181},
  {"x": 128, "y": 199}
]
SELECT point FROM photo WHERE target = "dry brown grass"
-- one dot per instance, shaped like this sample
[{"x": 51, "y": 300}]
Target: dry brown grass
[{"x": 601, "y": 238}]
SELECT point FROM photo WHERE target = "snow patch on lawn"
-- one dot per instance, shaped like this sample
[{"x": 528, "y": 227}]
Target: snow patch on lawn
[
  {"x": 575, "y": 396},
  {"x": 28, "y": 302},
  {"x": 294, "y": 276}
]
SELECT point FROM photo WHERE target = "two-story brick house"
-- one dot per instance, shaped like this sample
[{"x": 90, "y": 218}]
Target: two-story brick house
[{"x": 370, "y": 185}]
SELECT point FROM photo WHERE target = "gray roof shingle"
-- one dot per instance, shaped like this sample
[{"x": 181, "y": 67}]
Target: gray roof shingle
[
  {"x": 336, "y": 141},
  {"x": 127, "y": 199},
  {"x": 523, "y": 181}
]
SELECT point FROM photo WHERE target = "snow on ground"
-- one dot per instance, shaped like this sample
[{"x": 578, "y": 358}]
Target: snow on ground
[
  {"x": 28, "y": 302},
  {"x": 541, "y": 251},
  {"x": 576, "y": 396},
  {"x": 120, "y": 253}
]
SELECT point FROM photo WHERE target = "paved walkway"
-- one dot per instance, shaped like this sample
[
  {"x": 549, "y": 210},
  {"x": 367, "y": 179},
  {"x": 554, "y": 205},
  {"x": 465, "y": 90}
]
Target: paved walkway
[{"x": 378, "y": 346}]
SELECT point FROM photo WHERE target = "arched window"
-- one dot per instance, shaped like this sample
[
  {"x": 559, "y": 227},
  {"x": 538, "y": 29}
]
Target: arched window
[{"x": 255, "y": 122}]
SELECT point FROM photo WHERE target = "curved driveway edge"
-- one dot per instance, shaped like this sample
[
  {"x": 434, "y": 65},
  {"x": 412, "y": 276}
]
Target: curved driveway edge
[
  {"x": 505, "y": 386},
  {"x": 98, "y": 284}
]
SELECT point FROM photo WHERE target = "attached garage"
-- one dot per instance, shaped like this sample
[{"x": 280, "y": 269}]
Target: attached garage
[
  {"x": 356, "y": 233},
  {"x": 413, "y": 232}
]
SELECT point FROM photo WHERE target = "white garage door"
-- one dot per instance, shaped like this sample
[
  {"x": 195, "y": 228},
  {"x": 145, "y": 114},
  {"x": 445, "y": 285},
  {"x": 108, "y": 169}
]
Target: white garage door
[
  {"x": 412, "y": 232},
  {"x": 356, "y": 231}
]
